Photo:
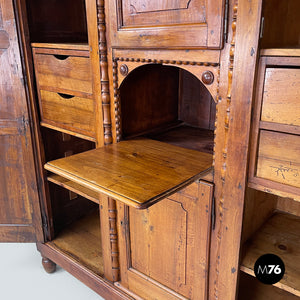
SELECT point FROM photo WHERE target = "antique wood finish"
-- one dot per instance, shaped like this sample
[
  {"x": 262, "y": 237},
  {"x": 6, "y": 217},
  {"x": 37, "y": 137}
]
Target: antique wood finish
[
  {"x": 258, "y": 208},
  {"x": 76, "y": 188},
  {"x": 274, "y": 106},
  {"x": 57, "y": 21},
  {"x": 82, "y": 241},
  {"x": 232, "y": 136},
  {"x": 108, "y": 218},
  {"x": 69, "y": 112},
  {"x": 281, "y": 24},
  {"x": 252, "y": 289},
  {"x": 65, "y": 71},
  {"x": 281, "y": 240},
  {"x": 138, "y": 172},
  {"x": 49, "y": 265},
  {"x": 166, "y": 246},
  {"x": 276, "y": 124},
  {"x": 166, "y": 24},
  {"x": 105, "y": 95},
  {"x": 19, "y": 204},
  {"x": 183, "y": 73},
  {"x": 277, "y": 162}
]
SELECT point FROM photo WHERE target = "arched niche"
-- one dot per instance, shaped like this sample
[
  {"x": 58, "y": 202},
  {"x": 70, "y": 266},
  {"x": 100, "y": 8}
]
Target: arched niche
[{"x": 166, "y": 103}]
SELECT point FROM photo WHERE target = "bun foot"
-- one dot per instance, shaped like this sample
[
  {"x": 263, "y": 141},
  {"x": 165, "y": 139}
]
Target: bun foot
[{"x": 48, "y": 265}]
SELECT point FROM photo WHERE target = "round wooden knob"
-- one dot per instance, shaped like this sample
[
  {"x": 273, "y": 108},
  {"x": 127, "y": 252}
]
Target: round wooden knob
[
  {"x": 124, "y": 70},
  {"x": 208, "y": 77}
]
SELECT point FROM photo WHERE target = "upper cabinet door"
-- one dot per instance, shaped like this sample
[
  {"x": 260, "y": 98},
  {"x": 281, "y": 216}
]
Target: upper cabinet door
[
  {"x": 20, "y": 219},
  {"x": 166, "y": 23}
]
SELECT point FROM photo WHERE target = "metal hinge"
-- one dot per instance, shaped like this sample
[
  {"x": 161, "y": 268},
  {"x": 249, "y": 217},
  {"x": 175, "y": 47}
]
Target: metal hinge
[
  {"x": 213, "y": 213},
  {"x": 226, "y": 20},
  {"x": 262, "y": 27}
]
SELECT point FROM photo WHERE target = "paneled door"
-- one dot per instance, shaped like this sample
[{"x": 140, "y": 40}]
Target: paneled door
[
  {"x": 20, "y": 219},
  {"x": 166, "y": 23}
]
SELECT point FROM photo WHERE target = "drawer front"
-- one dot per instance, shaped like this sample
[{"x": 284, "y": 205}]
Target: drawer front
[
  {"x": 281, "y": 96},
  {"x": 279, "y": 157},
  {"x": 63, "y": 73},
  {"x": 68, "y": 112}
]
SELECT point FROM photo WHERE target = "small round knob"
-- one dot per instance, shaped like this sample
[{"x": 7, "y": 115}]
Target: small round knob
[
  {"x": 208, "y": 77},
  {"x": 124, "y": 69}
]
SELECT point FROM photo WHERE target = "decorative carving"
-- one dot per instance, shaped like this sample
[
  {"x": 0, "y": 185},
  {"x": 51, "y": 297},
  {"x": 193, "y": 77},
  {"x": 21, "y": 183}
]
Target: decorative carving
[
  {"x": 113, "y": 236},
  {"x": 224, "y": 151},
  {"x": 208, "y": 77},
  {"x": 117, "y": 102},
  {"x": 143, "y": 6},
  {"x": 104, "y": 73},
  {"x": 49, "y": 265},
  {"x": 124, "y": 69},
  {"x": 167, "y": 62}
]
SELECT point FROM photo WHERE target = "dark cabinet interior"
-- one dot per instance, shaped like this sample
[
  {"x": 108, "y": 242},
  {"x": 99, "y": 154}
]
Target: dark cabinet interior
[
  {"x": 168, "y": 104},
  {"x": 57, "y": 21}
]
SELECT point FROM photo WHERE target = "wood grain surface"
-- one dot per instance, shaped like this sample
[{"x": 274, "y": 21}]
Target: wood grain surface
[{"x": 136, "y": 172}]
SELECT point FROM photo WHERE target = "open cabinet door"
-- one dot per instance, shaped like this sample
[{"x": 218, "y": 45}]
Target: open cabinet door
[{"x": 20, "y": 219}]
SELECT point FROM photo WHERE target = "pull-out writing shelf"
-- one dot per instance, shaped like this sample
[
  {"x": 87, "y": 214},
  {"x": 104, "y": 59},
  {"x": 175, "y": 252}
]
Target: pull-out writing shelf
[{"x": 136, "y": 172}]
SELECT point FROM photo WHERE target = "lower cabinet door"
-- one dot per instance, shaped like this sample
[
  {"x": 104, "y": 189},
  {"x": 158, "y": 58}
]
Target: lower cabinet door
[{"x": 164, "y": 249}]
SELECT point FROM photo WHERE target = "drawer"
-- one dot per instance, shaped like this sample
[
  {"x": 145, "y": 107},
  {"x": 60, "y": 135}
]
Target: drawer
[
  {"x": 63, "y": 72},
  {"x": 67, "y": 112},
  {"x": 279, "y": 157},
  {"x": 281, "y": 96}
]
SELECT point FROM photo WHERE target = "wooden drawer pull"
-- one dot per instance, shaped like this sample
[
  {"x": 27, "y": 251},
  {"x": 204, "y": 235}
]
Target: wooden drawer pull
[
  {"x": 65, "y": 96},
  {"x": 61, "y": 57}
]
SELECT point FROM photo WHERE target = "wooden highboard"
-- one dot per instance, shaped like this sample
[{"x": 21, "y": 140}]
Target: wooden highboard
[{"x": 159, "y": 142}]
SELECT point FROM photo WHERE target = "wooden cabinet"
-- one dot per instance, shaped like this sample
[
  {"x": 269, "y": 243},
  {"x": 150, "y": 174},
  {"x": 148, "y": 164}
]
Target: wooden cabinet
[
  {"x": 274, "y": 158},
  {"x": 166, "y": 24},
  {"x": 135, "y": 137},
  {"x": 276, "y": 142}
]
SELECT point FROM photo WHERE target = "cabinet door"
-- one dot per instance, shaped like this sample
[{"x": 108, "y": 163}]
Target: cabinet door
[
  {"x": 19, "y": 204},
  {"x": 165, "y": 247},
  {"x": 171, "y": 23}
]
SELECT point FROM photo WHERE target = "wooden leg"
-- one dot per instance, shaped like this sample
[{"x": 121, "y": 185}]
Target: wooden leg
[{"x": 48, "y": 265}]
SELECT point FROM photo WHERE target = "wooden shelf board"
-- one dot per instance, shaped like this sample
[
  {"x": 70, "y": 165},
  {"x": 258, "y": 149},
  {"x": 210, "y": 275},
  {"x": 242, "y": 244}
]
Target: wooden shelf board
[
  {"x": 82, "y": 241},
  {"x": 79, "y": 46},
  {"x": 280, "y": 52},
  {"x": 57, "y": 128},
  {"x": 74, "y": 187},
  {"x": 252, "y": 289},
  {"x": 138, "y": 172},
  {"x": 293, "y": 129},
  {"x": 280, "y": 235},
  {"x": 187, "y": 137}
]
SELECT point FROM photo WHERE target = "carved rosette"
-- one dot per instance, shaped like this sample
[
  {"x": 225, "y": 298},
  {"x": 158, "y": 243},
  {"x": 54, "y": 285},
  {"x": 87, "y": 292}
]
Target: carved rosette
[
  {"x": 224, "y": 151},
  {"x": 104, "y": 73}
]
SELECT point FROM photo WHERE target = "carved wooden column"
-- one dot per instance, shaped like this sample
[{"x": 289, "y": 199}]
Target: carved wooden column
[{"x": 104, "y": 73}]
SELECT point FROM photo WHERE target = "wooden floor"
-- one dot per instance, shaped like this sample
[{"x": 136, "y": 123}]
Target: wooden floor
[
  {"x": 187, "y": 137},
  {"x": 82, "y": 241},
  {"x": 280, "y": 235}
]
